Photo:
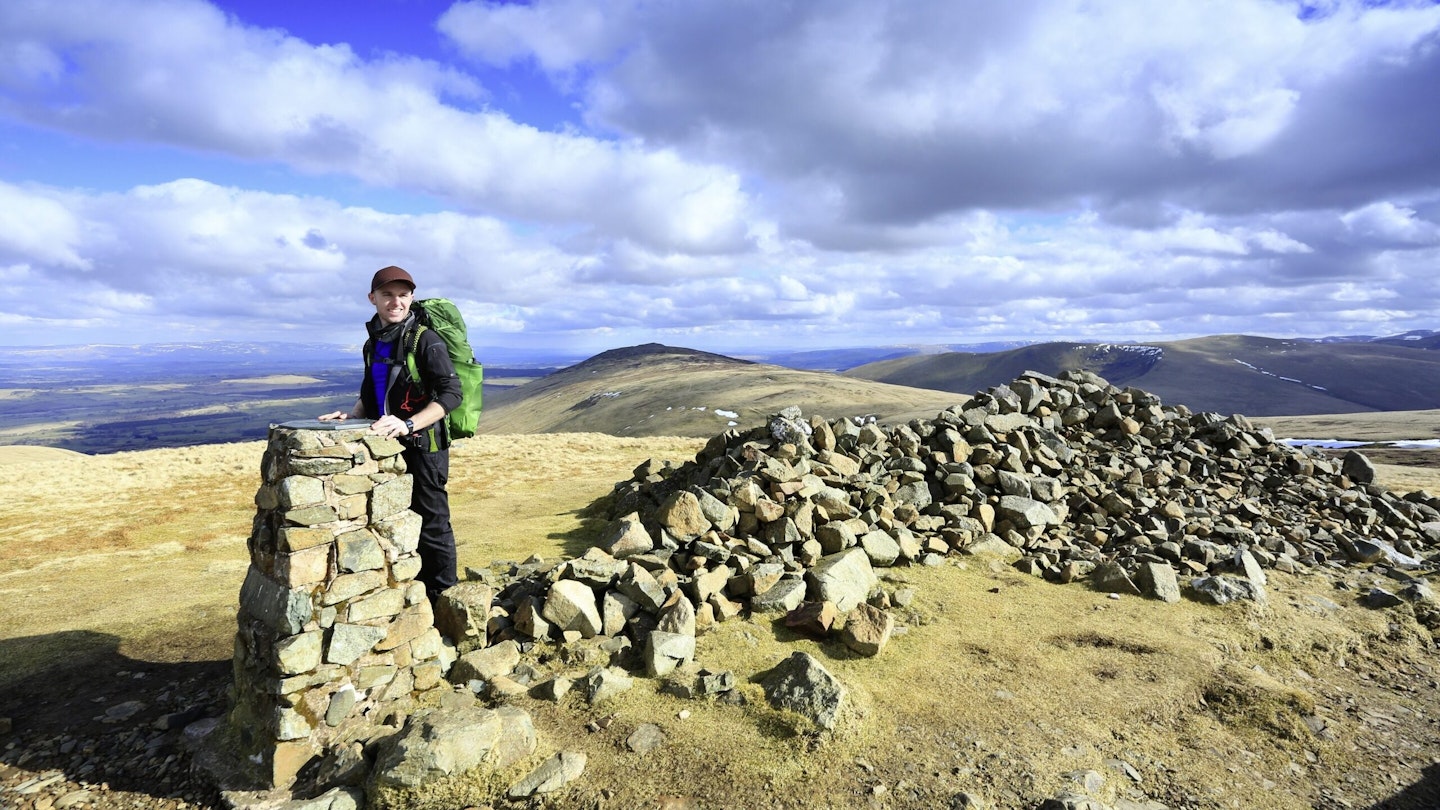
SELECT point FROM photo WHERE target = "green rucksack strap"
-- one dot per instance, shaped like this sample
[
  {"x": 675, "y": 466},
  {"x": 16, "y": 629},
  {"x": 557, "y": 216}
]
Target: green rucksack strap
[
  {"x": 414, "y": 370},
  {"x": 412, "y": 350}
]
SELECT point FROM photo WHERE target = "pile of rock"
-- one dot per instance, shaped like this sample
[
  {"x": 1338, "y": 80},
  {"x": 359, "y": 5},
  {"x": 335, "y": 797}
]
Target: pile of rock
[{"x": 1070, "y": 477}]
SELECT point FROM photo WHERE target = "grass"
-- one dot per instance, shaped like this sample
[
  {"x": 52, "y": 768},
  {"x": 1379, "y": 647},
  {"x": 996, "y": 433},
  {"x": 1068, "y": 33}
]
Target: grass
[{"x": 1000, "y": 684}]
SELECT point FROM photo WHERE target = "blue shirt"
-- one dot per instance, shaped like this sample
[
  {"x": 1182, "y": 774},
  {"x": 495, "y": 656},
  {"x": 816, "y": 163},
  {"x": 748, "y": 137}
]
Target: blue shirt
[{"x": 380, "y": 373}]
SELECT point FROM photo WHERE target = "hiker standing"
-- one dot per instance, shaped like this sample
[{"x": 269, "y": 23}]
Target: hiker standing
[{"x": 413, "y": 412}]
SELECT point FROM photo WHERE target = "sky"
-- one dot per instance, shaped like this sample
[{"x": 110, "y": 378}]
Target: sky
[{"x": 727, "y": 175}]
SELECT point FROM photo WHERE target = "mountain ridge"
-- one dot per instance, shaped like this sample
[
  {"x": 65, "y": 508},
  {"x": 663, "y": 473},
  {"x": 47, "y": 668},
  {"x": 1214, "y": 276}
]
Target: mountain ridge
[{"x": 1225, "y": 373}]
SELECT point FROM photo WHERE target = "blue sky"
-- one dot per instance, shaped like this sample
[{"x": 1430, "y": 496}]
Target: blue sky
[{"x": 732, "y": 176}]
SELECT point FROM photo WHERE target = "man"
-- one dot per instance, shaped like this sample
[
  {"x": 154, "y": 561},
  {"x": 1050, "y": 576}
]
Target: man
[{"x": 412, "y": 411}]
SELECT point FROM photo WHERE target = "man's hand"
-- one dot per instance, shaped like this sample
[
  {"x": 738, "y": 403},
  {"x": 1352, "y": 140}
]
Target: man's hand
[
  {"x": 334, "y": 415},
  {"x": 389, "y": 425}
]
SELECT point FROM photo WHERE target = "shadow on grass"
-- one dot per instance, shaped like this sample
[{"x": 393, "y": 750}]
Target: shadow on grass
[
  {"x": 81, "y": 707},
  {"x": 593, "y": 519},
  {"x": 828, "y": 646},
  {"x": 1423, "y": 795}
]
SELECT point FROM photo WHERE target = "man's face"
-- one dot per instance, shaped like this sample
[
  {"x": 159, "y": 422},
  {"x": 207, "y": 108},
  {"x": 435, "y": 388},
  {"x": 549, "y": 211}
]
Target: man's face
[{"x": 392, "y": 301}]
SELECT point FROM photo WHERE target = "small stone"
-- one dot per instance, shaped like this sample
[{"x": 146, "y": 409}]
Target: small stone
[
  {"x": 1111, "y": 578},
  {"x": 554, "y": 689},
  {"x": 1357, "y": 467},
  {"x": 845, "y": 578},
  {"x": 813, "y": 619},
  {"x": 1221, "y": 589},
  {"x": 341, "y": 702},
  {"x": 605, "y": 683},
  {"x": 1158, "y": 580},
  {"x": 121, "y": 712},
  {"x": 682, "y": 516},
  {"x": 645, "y": 738},
  {"x": 74, "y": 798},
  {"x": 1379, "y": 598},
  {"x": 551, "y": 775},
  {"x": 783, "y": 597},
  {"x": 867, "y": 630}
]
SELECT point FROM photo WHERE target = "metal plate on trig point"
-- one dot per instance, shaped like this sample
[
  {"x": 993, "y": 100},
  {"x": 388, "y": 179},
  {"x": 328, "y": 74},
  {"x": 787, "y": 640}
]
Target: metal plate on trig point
[{"x": 329, "y": 424}]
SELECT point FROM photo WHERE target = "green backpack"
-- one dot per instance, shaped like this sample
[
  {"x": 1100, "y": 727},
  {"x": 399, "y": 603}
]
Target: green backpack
[{"x": 441, "y": 315}]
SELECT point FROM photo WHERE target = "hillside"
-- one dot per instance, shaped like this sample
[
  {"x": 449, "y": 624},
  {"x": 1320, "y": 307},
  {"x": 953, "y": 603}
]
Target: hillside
[
  {"x": 121, "y": 574},
  {"x": 1225, "y": 374},
  {"x": 655, "y": 390}
]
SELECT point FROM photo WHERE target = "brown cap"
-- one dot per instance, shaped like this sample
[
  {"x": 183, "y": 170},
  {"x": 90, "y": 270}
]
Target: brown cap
[{"x": 385, "y": 275}]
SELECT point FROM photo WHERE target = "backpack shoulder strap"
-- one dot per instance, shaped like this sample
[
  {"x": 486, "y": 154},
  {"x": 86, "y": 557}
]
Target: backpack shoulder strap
[{"x": 411, "y": 349}]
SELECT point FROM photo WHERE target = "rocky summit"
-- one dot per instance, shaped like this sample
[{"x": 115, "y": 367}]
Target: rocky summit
[{"x": 1069, "y": 477}]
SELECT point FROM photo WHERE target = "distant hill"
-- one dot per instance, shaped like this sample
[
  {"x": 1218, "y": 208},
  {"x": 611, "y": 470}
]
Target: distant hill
[
  {"x": 1418, "y": 339},
  {"x": 1227, "y": 374},
  {"x": 24, "y": 366},
  {"x": 656, "y": 390},
  {"x": 102, "y": 363}
]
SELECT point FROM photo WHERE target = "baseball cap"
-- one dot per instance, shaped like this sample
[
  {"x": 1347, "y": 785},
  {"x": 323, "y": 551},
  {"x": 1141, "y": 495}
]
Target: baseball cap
[{"x": 385, "y": 275}]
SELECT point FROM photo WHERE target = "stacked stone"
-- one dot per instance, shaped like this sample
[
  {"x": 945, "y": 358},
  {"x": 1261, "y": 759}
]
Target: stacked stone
[
  {"x": 332, "y": 624},
  {"x": 1069, "y": 477}
]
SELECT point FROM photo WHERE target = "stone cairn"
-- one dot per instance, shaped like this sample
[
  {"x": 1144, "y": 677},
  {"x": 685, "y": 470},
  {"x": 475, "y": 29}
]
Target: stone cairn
[
  {"x": 1069, "y": 478},
  {"x": 333, "y": 627}
]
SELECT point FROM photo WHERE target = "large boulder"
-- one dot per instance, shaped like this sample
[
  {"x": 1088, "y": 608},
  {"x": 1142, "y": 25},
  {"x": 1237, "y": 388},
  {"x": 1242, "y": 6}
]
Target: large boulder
[
  {"x": 462, "y": 612},
  {"x": 627, "y": 537},
  {"x": 571, "y": 605},
  {"x": 867, "y": 630},
  {"x": 801, "y": 685},
  {"x": 486, "y": 664},
  {"x": 845, "y": 578},
  {"x": 440, "y": 743},
  {"x": 682, "y": 516}
]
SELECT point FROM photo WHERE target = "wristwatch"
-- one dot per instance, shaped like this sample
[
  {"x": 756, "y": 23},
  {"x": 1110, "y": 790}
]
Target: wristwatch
[{"x": 409, "y": 426}]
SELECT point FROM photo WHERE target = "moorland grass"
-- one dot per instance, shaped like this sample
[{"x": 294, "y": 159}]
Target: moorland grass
[{"x": 1000, "y": 683}]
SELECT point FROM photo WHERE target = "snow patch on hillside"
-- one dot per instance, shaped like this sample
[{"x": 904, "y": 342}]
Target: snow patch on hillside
[
  {"x": 1146, "y": 351},
  {"x": 1254, "y": 367},
  {"x": 1341, "y": 444}
]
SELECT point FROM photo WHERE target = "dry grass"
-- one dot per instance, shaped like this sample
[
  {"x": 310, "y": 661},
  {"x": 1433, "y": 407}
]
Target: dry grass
[
  {"x": 1383, "y": 426},
  {"x": 1000, "y": 684},
  {"x": 667, "y": 397}
]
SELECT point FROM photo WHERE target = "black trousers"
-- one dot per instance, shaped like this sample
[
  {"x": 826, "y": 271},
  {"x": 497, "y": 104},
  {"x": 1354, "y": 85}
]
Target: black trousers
[{"x": 430, "y": 500}]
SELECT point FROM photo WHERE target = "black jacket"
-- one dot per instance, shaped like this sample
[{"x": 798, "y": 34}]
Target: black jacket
[{"x": 438, "y": 383}]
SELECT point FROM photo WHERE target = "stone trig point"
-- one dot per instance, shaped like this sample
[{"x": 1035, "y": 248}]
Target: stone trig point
[{"x": 334, "y": 631}]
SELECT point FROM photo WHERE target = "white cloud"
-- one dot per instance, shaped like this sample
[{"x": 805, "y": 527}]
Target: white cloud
[
  {"x": 559, "y": 36},
  {"x": 46, "y": 232},
  {"x": 181, "y": 73},
  {"x": 1393, "y": 224},
  {"x": 864, "y": 114},
  {"x": 864, "y": 171},
  {"x": 190, "y": 252}
]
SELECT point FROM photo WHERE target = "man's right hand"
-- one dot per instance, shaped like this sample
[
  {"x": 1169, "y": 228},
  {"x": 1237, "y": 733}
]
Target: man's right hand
[{"x": 333, "y": 415}]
